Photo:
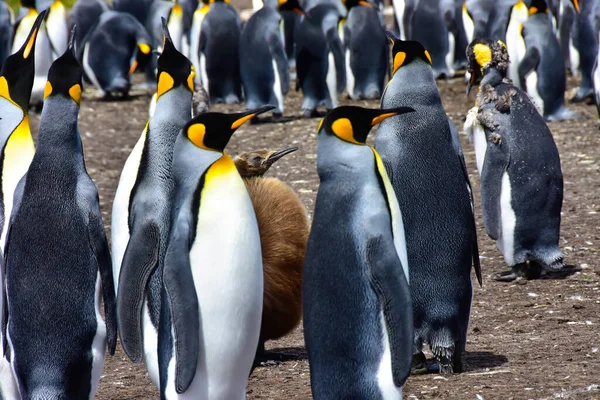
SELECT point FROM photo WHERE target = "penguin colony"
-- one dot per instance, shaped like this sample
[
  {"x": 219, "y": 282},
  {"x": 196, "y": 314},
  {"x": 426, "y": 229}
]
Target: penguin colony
[{"x": 208, "y": 259}]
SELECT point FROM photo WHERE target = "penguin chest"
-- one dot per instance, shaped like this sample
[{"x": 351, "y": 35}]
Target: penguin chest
[
  {"x": 596, "y": 79},
  {"x": 331, "y": 79},
  {"x": 120, "y": 210},
  {"x": 508, "y": 219},
  {"x": 277, "y": 87},
  {"x": 399, "y": 6},
  {"x": 385, "y": 375},
  {"x": 531, "y": 81},
  {"x": 476, "y": 134},
  {"x": 58, "y": 30},
  {"x": 99, "y": 342}
]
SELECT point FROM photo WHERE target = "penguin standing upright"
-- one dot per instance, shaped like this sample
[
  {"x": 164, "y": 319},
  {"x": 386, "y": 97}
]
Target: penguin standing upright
[
  {"x": 85, "y": 14},
  {"x": 515, "y": 42},
  {"x": 586, "y": 42},
  {"x": 290, "y": 20},
  {"x": 283, "y": 227},
  {"x": 357, "y": 307},
  {"x": 490, "y": 18},
  {"x": 213, "y": 280},
  {"x": 320, "y": 64},
  {"x": 57, "y": 272},
  {"x": 57, "y": 28},
  {"x": 113, "y": 50},
  {"x": 567, "y": 31},
  {"x": 5, "y": 31},
  {"x": 141, "y": 213},
  {"x": 219, "y": 52},
  {"x": 538, "y": 72},
  {"x": 423, "y": 147},
  {"x": 366, "y": 51},
  {"x": 195, "y": 31},
  {"x": 519, "y": 165},
  {"x": 16, "y": 82},
  {"x": 264, "y": 67}
]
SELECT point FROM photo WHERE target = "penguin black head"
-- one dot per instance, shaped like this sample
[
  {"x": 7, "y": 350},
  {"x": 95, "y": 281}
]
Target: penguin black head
[
  {"x": 355, "y": 3},
  {"x": 406, "y": 51},
  {"x": 483, "y": 55},
  {"x": 538, "y": 7},
  {"x": 64, "y": 76},
  {"x": 352, "y": 124},
  {"x": 212, "y": 131},
  {"x": 18, "y": 71},
  {"x": 142, "y": 56},
  {"x": 290, "y": 5},
  {"x": 255, "y": 163},
  {"x": 174, "y": 69}
]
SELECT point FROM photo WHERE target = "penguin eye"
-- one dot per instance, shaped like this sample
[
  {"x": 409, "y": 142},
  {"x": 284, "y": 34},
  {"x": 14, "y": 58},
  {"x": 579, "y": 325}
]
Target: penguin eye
[{"x": 256, "y": 159}]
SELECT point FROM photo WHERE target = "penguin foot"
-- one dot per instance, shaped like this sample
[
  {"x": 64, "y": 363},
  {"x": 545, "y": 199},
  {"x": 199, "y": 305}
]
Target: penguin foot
[
  {"x": 521, "y": 272},
  {"x": 562, "y": 115},
  {"x": 307, "y": 113},
  {"x": 419, "y": 364},
  {"x": 445, "y": 357},
  {"x": 583, "y": 95}
]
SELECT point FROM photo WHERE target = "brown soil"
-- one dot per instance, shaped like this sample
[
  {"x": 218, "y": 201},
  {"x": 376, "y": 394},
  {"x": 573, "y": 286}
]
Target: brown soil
[{"x": 534, "y": 341}]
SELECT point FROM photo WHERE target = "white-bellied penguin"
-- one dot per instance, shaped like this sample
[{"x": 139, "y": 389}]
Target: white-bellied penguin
[
  {"x": 195, "y": 31},
  {"x": 113, "y": 50},
  {"x": 320, "y": 65},
  {"x": 586, "y": 42},
  {"x": 219, "y": 53},
  {"x": 213, "y": 278},
  {"x": 16, "y": 82},
  {"x": 357, "y": 309},
  {"x": 141, "y": 214},
  {"x": 283, "y": 226},
  {"x": 519, "y": 165},
  {"x": 423, "y": 147},
  {"x": 264, "y": 66},
  {"x": 365, "y": 51},
  {"x": 514, "y": 40},
  {"x": 539, "y": 76},
  {"x": 58, "y": 266}
]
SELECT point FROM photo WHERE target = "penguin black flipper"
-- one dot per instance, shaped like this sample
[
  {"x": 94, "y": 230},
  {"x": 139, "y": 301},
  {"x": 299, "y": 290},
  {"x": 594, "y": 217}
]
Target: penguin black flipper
[
  {"x": 528, "y": 64},
  {"x": 139, "y": 261},
  {"x": 391, "y": 286},
  {"x": 99, "y": 245},
  {"x": 302, "y": 67},
  {"x": 278, "y": 52},
  {"x": 497, "y": 159},
  {"x": 185, "y": 310},
  {"x": 335, "y": 46},
  {"x": 463, "y": 164}
]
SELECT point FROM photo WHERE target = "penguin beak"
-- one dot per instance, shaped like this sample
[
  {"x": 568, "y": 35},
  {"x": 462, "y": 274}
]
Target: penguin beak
[
  {"x": 299, "y": 11},
  {"x": 365, "y": 4},
  {"x": 576, "y": 4},
  {"x": 385, "y": 114},
  {"x": 279, "y": 153},
  {"x": 248, "y": 115}
]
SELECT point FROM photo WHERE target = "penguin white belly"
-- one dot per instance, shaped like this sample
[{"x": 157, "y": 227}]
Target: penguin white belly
[
  {"x": 88, "y": 69},
  {"x": 350, "y": 80},
  {"x": 99, "y": 343},
  {"x": 152, "y": 106},
  {"x": 120, "y": 211},
  {"x": 150, "y": 343},
  {"x": 531, "y": 81},
  {"x": 596, "y": 81},
  {"x": 203, "y": 73},
  {"x": 450, "y": 54},
  {"x": 399, "y": 12},
  {"x": 573, "y": 57},
  {"x": 468, "y": 24},
  {"x": 332, "y": 80},
  {"x": 175, "y": 26},
  {"x": 385, "y": 376},
  {"x": 58, "y": 29},
  {"x": 43, "y": 60},
  {"x": 226, "y": 264},
  {"x": 516, "y": 51},
  {"x": 8, "y": 385},
  {"x": 257, "y": 5},
  {"x": 22, "y": 32},
  {"x": 196, "y": 29},
  {"x": 277, "y": 88},
  {"x": 476, "y": 134},
  {"x": 508, "y": 220}
]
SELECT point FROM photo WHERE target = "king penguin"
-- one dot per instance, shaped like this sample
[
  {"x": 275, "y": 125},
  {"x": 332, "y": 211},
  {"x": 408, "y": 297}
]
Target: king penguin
[
  {"x": 112, "y": 51},
  {"x": 16, "y": 82},
  {"x": 320, "y": 64},
  {"x": 57, "y": 273},
  {"x": 195, "y": 31},
  {"x": 213, "y": 278},
  {"x": 568, "y": 11},
  {"x": 219, "y": 51},
  {"x": 423, "y": 147},
  {"x": 365, "y": 51},
  {"x": 141, "y": 213},
  {"x": 587, "y": 46},
  {"x": 85, "y": 14},
  {"x": 519, "y": 166},
  {"x": 538, "y": 74},
  {"x": 357, "y": 308},
  {"x": 515, "y": 42},
  {"x": 264, "y": 67}
]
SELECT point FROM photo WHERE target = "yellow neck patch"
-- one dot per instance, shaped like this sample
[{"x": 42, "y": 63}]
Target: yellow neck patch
[
  {"x": 47, "y": 90},
  {"x": 399, "y": 60},
  {"x": 342, "y": 128},
  {"x": 190, "y": 79},
  {"x": 222, "y": 166},
  {"x": 144, "y": 48},
  {"x": 483, "y": 54},
  {"x": 533, "y": 10},
  {"x": 4, "y": 91},
  {"x": 165, "y": 83},
  {"x": 196, "y": 134},
  {"x": 75, "y": 93}
]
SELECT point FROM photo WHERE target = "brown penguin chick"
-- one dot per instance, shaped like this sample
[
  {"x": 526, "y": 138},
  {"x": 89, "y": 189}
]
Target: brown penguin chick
[{"x": 283, "y": 227}]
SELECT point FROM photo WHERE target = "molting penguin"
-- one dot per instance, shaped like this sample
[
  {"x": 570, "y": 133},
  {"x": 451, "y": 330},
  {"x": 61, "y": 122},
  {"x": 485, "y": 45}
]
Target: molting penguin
[
  {"x": 538, "y": 72},
  {"x": 57, "y": 272},
  {"x": 366, "y": 51},
  {"x": 219, "y": 46},
  {"x": 85, "y": 14},
  {"x": 587, "y": 45},
  {"x": 263, "y": 65},
  {"x": 519, "y": 165},
  {"x": 141, "y": 213},
  {"x": 113, "y": 50},
  {"x": 320, "y": 64},
  {"x": 357, "y": 309},
  {"x": 283, "y": 227},
  {"x": 213, "y": 279},
  {"x": 423, "y": 147},
  {"x": 5, "y": 31},
  {"x": 16, "y": 82}
]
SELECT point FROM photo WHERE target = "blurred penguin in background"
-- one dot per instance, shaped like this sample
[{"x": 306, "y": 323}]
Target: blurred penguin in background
[
  {"x": 587, "y": 44},
  {"x": 138, "y": 8},
  {"x": 5, "y": 31},
  {"x": 85, "y": 14}
]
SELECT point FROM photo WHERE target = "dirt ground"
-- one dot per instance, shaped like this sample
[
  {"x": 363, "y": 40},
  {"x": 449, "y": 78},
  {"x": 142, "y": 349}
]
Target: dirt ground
[{"x": 539, "y": 340}]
